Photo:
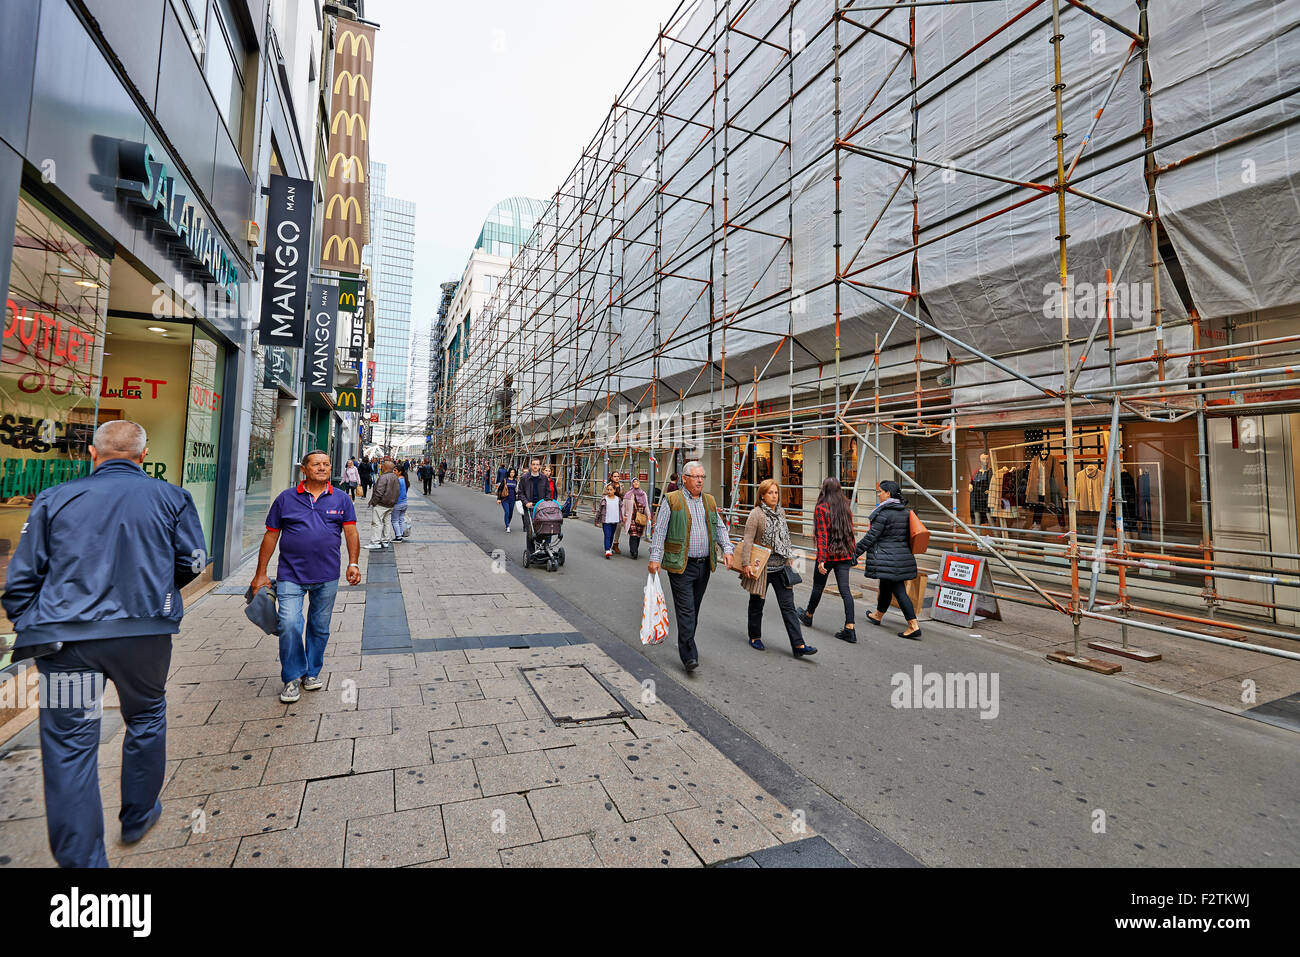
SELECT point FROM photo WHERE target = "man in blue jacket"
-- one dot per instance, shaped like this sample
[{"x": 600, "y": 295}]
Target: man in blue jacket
[{"x": 94, "y": 592}]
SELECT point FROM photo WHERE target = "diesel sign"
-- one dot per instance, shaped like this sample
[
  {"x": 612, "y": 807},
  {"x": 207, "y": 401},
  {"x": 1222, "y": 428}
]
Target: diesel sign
[
  {"x": 284, "y": 279},
  {"x": 357, "y": 343}
]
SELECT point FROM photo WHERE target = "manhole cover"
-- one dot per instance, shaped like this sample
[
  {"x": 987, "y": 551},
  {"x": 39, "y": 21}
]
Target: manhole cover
[{"x": 571, "y": 693}]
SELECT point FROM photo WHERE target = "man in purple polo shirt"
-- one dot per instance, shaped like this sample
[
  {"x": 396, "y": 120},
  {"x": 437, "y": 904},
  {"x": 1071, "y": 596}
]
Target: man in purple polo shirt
[{"x": 306, "y": 522}]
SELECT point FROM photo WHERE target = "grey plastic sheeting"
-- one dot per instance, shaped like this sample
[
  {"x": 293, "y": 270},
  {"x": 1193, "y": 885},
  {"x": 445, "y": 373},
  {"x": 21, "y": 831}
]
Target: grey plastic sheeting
[
  {"x": 1233, "y": 215},
  {"x": 993, "y": 285}
]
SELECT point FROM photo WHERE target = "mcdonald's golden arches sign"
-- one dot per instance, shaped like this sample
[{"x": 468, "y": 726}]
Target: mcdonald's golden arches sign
[{"x": 347, "y": 164}]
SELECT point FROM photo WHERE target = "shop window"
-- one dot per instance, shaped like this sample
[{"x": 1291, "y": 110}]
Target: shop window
[
  {"x": 146, "y": 375},
  {"x": 260, "y": 485},
  {"x": 927, "y": 460},
  {"x": 848, "y": 458},
  {"x": 50, "y": 367},
  {"x": 1161, "y": 481},
  {"x": 792, "y": 477},
  {"x": 167, "y": 376},
  {"x": 203, "y": 427}
]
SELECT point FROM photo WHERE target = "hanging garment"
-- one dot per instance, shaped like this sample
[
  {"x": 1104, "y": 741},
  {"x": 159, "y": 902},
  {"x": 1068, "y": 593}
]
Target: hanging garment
[
  {"x": 1043, "y": 480},
  {"x": 996, "y": 507},
  {"x": 1001, "y": 495},
  {"x": 1144, "y": 501},
  {"x": 1128, "y": 497},
  {"x": 1088, "y": 486}
]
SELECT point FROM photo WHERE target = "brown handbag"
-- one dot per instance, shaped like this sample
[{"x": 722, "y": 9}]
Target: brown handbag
[{"x": 917, "y": 533}]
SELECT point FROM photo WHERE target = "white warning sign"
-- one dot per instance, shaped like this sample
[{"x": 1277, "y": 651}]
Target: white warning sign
[{"x": 956, "y": 601}]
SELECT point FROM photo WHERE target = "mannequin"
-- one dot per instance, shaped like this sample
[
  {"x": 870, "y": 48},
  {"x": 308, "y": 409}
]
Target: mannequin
[{"x": 979, "y": 491}]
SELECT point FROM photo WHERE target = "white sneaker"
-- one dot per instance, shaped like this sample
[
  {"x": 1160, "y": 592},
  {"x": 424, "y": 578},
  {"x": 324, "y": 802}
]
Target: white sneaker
[
  {"x": 375, "y": 545},
  {"x": 312, "y": 683},
  {"x": 290, "y": 693}
]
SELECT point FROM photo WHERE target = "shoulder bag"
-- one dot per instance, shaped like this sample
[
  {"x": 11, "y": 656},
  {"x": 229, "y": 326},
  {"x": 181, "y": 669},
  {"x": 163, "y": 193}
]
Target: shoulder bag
[{"x": 918, "y": 535}]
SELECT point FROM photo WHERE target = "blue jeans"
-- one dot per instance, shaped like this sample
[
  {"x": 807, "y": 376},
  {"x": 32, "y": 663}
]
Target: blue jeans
[
  {"x": 304, "y": 654},
  {"x": 74, "y": 814},
  {"x": 399, "y": 520},
  {"x": 610, "y": 528},
  {"x": 508, "y": 504}
]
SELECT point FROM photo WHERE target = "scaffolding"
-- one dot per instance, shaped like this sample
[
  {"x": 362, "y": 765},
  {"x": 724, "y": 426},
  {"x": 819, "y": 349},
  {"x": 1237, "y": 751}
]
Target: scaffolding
[{"x": 820, "y": 220}]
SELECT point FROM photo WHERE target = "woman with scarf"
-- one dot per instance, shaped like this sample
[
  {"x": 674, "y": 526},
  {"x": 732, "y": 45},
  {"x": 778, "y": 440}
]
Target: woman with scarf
[
  {"x": 636, "y": 516},
  {"x": 888, "y": 544},
  {"x": 767, "y": 526},
  {"x": 833, "y": 525}
]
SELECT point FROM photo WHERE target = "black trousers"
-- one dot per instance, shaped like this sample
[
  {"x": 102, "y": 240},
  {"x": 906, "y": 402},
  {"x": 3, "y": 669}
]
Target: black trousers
[
  {"x": 898, "y": 591},
  {"x": 841, "y": 572},
  {"x": 633, "y": 543},
  {"x": 688, "y": 594},
  {"x": 365, "y": 489},
  {"x": 784, "y": 601},
  {"x": 137, "y": 666},
  {"x": 428, "y": 484}
]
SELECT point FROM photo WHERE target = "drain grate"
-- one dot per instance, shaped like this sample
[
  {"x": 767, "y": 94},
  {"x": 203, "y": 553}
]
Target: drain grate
[{"x": 573, "y": 695}]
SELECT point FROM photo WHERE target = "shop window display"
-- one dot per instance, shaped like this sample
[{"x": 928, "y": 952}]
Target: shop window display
[
  {"x": 792, "y": 477},
  {"x": 260, "y": 479},
  {"x": 203, "y": 427},
  {"x": 50, "y": 368},
  {"x": 1015, "y": 478}
]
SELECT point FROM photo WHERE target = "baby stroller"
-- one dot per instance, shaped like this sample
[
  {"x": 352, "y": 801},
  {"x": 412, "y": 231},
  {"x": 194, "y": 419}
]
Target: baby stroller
[{"x": 543, "y": 525}]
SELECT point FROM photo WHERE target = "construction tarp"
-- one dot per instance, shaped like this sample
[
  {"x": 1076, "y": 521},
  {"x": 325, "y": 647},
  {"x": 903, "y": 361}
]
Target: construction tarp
[
  {"x": 1233, "y": 213},
  {"x": 700, "y": 226}
]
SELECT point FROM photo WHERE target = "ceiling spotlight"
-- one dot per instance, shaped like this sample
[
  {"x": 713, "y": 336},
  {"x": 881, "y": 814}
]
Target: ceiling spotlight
[{"x": 157, "y": 329}]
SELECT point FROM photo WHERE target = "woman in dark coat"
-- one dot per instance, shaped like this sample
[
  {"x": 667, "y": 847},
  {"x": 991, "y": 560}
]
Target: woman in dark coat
[{"x": 888, "y": 544}]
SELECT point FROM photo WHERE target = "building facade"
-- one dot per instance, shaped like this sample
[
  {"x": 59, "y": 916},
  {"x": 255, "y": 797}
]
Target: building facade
[
  {"x": 1057, "y": 313},
  {"x": 437, "y": 333},
  {"x": 505, "y": 231},
  {"x": 391, "y": 257},
  {"x": 134, "y": 142}
]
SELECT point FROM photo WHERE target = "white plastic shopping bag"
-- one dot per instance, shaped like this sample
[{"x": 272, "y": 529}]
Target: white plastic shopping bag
[
  {"x": 519, "y": 508},
  {"x": 654, "y": 613}
]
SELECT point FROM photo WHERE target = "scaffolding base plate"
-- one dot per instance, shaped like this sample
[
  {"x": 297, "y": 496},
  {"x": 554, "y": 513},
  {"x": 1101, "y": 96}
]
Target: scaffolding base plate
[
  {"x": 1137, "y": 654},
  {"x": 1088, "y": 664}
]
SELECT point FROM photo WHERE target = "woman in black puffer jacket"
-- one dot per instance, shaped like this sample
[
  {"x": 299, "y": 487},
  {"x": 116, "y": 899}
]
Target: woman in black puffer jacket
[{"x": 888, "y": 544}]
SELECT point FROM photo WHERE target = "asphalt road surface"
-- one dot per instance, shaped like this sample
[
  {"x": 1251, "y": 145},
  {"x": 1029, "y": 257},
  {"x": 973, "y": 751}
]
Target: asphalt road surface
[{"x": 1174, "y": 783}]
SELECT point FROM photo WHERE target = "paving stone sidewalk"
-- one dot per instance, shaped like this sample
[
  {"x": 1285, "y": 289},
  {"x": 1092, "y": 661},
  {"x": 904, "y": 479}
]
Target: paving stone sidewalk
[{"x": 439, "y": 740}]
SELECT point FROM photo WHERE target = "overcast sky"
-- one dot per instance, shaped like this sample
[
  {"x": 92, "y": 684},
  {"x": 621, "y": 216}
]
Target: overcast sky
[{"x": 476, "y": 102}]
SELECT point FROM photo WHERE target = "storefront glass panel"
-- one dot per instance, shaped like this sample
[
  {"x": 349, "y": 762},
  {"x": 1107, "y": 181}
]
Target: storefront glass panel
[
  {"x": 260, "y": 477},
  {"x": 203, "y": 428},
  {"x": 146, "y": 379},
  {"x": 792, "y": 480},
  {"x": 49, "y": 371},
  {"x": 168, "y": 377}
]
